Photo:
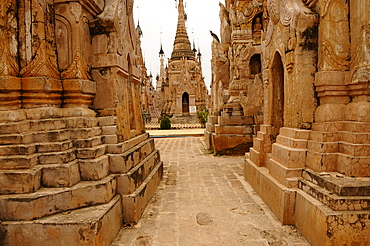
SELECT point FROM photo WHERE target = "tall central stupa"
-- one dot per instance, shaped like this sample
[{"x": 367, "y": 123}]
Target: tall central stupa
[{"x": 181, "y": 90}]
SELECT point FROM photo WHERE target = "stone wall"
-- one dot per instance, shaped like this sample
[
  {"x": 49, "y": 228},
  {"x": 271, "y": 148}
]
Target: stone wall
[
  {"x": 75, "y": 161},
  {"x": 309, "y": 161}
]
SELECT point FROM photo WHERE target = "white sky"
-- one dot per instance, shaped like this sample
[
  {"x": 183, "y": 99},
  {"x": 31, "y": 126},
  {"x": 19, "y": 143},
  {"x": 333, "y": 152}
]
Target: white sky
[{"x": 158, "y": 16}]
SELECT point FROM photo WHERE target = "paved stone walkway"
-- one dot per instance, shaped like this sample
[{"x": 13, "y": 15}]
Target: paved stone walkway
[{"x": 204, "y": 200}]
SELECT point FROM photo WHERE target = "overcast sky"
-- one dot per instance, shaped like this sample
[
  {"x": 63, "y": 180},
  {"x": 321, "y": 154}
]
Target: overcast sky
[{"x": 160, "y": 16}]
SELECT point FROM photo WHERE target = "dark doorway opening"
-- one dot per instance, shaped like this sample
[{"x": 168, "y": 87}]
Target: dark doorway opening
[
  {"x": 185, "y": 103},
  {"x": 277, "y": 78}
]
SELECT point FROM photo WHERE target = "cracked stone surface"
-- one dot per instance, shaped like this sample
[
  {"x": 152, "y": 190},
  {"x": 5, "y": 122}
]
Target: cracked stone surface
[{"x": 205, "y": 200}]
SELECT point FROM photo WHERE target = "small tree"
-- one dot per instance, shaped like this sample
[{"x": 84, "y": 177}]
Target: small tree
[
  {"x": 165, "y": 123},
  {"x": 203, "y": 116}
]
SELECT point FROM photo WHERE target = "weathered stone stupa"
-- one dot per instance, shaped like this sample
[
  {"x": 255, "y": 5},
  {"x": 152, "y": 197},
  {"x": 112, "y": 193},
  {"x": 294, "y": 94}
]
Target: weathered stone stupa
[
  {"x": 75, "y": 161},
  {"x": 180, "y": 86},
  {"x": 237, "y": 88}
]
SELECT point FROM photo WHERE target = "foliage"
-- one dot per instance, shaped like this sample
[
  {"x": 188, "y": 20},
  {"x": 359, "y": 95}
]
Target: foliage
[
  {"x": 165, "y": 123},
  {"x": 203, "y": 116}
]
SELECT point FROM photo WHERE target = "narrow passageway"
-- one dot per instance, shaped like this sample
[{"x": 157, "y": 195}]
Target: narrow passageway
[{"x": 204, "y": 200}]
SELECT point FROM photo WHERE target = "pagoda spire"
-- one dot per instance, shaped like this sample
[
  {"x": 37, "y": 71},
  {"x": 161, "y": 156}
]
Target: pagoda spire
[{"x": 181, "y": 46}]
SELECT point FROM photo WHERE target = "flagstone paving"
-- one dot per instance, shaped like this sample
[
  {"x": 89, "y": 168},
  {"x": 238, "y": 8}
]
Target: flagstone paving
[{"x": 205, "y": 200}]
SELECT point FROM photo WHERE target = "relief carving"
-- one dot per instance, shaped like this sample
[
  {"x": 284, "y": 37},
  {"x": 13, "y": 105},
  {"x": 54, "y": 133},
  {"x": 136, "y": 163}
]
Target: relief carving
[
  {"x": 8, "y": 64},
  {"x": 44, "y": 64},
  {"x": 293, "y": 13},
  {"x": 335, "y": 61},
  {"x": 244, "y": 13},
  {"x": 79, "y": 69},
  {"x": 334, "y": 32},
  {"x": 76, "y": 11}
]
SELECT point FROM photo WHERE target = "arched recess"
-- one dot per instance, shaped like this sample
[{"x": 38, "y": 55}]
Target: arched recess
[
  {"x": 255, "y": 64},
  {"x": 185, "y": 103},
  {"x": 63, "y": 37},
  {"x": 130, "y": 95},
  {"x": 277, "y": 79},
  {"x": 257, "y": 23}
]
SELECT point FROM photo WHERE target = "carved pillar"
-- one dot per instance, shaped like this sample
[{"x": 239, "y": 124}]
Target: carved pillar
[
  {"x": 359, "y": 109},
  {"x": 41, "y": 85},
  {"x": 10, "y": 85},
  {"x": 334, "y": 52},
  {"x": 72, "y": 32}
]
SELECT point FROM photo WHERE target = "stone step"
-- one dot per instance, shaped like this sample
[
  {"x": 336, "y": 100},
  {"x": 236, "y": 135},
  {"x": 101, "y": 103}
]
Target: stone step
[
  {"x": 255, "y": 157},
  {"x": 20, "y": 181},
  {"x": 134, "y": 204},
  {"x": 9, "y": 150},
  {"x": 338, "y": 184},
  {"x": 94, "y": 169},
  {"x": 350, "y": 126},
  {"x": 347, "y": 164},
  {"x": 350, "y": 137},
  {"x": 292, "y": 142},
  {"x": 49, "y": 201},
  {"x": 354, "y": 149},
  {"x": 355, "y": 138},
  {"x": 357, "y": 166},
  {"x": 47, "y": 124},
  {"x": 52, "y": 136},
  {"x": 340, "y": 147},
  {"x": 9, "y": 139},
  {"x": 336, "y": 126},
  {"x": 95, "y": 225},
  {"x": 87, "y": 143},
  {"x": 239, "y": 130},
  {"x": 260, "y": 135},
  {"x": 61, "y": 175},
  {"x": 53, "y": 147},
  {"x": 295, "y": 133},
  {"x": 85, "y": 133},
  {"x": 266, "y": 129},
  {"x": 323, "y": 147},
  {"x": 91, "y": 153},
  {"x": 289, "y": 157},
  {"x": 14, "y": 127},
  {"x": 322, "y": 162},
  {"x": 227, "y": 120},
  {"x": 18, "y": 161},
  {"x": 130, "y": 181},
  {"x": 258, "y": 144},
  {"x": 122, "y": 163},
  {"x": 333, "y": 201},
  {"x": 57, "y": 157},
  {"x": 129, "y": 144},
  {"x": 286, "y": 176}
]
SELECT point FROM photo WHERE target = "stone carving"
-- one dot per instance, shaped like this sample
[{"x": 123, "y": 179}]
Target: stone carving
[
  {"x": 8, "y": 64},
  {"x": 44, "y": 64},
  {"x": 76, "y": 11},
  {"x": 293, "y": 13},
  {"x": 244, "y": 12},
  {"x": 79, "y": 69},
  {"x": 335, "y": 44},
  {"x": 334, "y": 61}
]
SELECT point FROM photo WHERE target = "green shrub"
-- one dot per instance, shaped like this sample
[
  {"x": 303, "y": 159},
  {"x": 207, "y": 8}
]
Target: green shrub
[
  {"x": 165, "y": 123},
  {"x": 203, "y": 116}
]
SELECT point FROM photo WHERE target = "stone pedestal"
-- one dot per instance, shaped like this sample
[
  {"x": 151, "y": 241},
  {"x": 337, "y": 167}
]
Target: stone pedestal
[
  {"x": 10, "y": 94},
  {"x": 41, "y": 92},
  {"x": 234, "y": 131},
  {"x": 78, "y": 93}
]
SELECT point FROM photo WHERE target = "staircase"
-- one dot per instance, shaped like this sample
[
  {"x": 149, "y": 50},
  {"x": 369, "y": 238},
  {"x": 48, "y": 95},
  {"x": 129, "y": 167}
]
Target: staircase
[{"x": 64, "y": 178}]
